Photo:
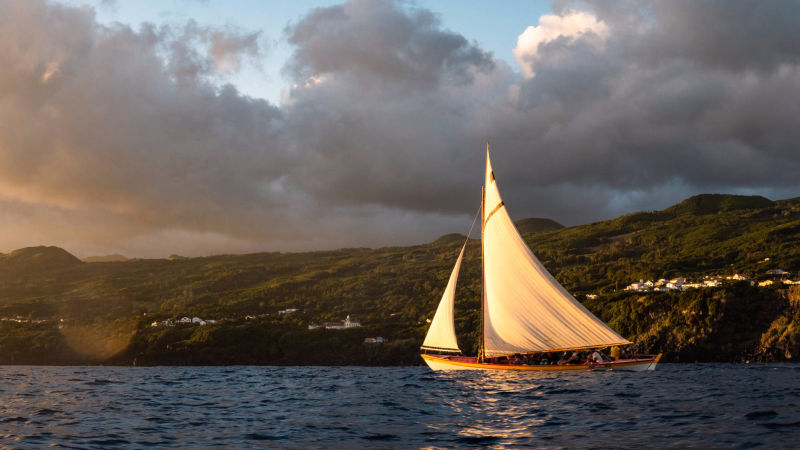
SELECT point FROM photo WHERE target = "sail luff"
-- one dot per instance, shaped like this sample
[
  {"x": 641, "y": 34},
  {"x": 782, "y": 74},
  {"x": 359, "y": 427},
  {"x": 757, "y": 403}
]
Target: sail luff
[
  {"x": 441, "y": 334},
  {"x": 487, "y": 330},
  {"x": 525, "y": 308}
]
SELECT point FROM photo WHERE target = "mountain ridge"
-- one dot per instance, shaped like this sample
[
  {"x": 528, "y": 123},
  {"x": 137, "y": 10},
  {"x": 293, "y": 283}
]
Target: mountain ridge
[
  {"x": 697, "y": 204},
  {"x": 393, "y": 291},
  {"x": 37, "y": 258},
  {"x": 114, "y": 257}
]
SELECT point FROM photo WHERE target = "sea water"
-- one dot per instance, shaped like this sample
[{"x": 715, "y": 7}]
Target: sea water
[{"x": 678, "y": 405}]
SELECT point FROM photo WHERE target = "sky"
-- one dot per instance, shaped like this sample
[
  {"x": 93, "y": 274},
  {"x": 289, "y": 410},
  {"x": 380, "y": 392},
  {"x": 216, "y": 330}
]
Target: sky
[
  {"x": 150, "y": 128},
  {"x": 493, "y": 30}
]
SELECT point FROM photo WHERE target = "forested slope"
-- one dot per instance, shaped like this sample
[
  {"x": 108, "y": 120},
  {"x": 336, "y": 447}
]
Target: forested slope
[{"x": 62, "y": 310}]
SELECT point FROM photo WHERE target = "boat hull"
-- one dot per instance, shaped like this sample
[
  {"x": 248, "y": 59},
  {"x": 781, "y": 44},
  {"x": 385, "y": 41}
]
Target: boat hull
[{"x": 445, "y": 362}]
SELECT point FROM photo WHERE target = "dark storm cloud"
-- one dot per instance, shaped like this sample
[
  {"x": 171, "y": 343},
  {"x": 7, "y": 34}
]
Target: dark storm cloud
[
  {"x": 384, "y": 107},
  {"x": 377, "y": 40},
  {"x": 663, "y": 102},
  {"x": 127, "y": 139},
  {"x": 729, "y": 34},
  {"x": 674, "y": 94}
]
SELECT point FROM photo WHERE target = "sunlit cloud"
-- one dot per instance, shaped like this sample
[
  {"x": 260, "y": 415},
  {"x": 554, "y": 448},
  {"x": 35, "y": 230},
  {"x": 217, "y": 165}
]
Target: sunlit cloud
[{"x": 567, "y": 27}]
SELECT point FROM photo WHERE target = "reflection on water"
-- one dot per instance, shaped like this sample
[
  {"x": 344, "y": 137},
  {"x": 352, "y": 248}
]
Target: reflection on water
[{"x": 676, "y": 406}]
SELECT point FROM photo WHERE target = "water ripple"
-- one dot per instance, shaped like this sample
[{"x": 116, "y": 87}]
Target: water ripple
[{"x": 688, "y": 405}]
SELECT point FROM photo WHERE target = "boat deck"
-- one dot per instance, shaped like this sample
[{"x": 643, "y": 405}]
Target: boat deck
[{"x": 471, "y": 362}]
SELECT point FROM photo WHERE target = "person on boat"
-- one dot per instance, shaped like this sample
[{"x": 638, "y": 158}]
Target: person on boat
[
  {"x": 596, "y": 357},
  {"x": 575, "y": 358}
]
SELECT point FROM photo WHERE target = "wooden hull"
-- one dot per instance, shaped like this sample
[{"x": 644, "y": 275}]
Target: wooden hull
[{"x": 445, "y": 362}]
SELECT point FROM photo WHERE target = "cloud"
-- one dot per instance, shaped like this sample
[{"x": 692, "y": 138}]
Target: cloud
[
  {"x": 650, "y": 106},
  {"x": 566, "y": 28},
  {"x": 130, "y": 141},
  {"x": 97, "y": 118},
  {"x": 378, "y": 40}
]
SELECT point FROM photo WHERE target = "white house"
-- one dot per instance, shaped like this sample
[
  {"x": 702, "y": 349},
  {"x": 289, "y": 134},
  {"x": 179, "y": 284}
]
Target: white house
[
  {"x": 640, "y": 286},
  {"x": 777, "y": 272},
  {"x": 737, "y": 276},
  {"x": 341, "y": 325},
  {"x": 676, "y": 286}
]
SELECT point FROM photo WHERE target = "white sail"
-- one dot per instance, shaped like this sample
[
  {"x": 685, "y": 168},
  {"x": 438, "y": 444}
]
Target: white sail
[
  {"x": 442, "y": 334},
  {"x": 525, "y": 308}
]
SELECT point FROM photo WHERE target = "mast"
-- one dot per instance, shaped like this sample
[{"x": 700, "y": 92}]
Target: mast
[{"x": 481, "y": 350}]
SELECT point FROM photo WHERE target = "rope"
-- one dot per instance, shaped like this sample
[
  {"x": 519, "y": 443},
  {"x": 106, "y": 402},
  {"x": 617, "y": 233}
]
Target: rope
[{"x": 472, "y": 226}]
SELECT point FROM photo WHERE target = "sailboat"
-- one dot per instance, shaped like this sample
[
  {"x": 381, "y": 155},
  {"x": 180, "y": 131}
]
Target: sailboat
[{"x": 526, "y": 313}]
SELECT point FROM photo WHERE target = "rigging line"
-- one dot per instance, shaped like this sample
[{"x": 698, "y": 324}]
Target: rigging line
[{"x": 473, "y": 225}]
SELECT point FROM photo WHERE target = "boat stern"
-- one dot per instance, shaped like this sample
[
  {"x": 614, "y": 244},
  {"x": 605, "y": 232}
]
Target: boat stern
[{"x": 443, "y": 362}]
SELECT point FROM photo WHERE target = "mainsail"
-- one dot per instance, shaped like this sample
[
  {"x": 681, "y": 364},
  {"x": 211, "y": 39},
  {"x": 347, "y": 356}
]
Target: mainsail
[
  {"x": 525, "y": 309},
  {"x": 442, "y": 334}
]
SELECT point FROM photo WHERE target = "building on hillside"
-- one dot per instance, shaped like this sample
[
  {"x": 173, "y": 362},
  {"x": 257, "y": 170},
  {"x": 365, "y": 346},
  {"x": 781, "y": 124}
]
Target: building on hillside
[
  {"x": 640, "y": 286},
  {"x": 341, "y": 325},
  {"x": 186, "y": 320},
  {"x": 777, "y": 272},
  {"x": 677, "y": 286},
  {"x": 737, "y": 276}
]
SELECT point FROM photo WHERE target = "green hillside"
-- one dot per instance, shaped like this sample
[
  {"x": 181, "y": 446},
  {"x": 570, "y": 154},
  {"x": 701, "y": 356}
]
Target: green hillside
[
  {"x": 714, "y": 203},
  {"x": 105, "y": 258},
  {"x": 57, "y": 309},
  {"x": 537, "y": 225},
  {"x": 36, "y": 260}
]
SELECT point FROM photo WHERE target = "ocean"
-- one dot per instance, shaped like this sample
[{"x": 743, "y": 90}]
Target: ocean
[{"x": 678, "y": 405}]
